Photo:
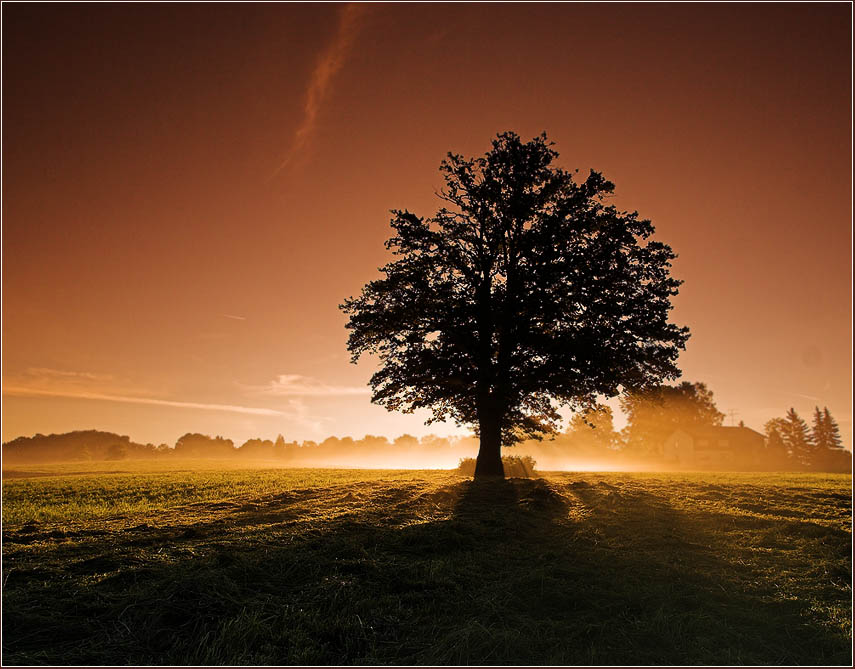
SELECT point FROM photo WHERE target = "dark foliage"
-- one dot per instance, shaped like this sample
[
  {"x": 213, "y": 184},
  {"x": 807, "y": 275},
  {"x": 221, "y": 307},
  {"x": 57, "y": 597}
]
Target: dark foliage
[
  {"x": 833, "y": 430},
  {"x": 524, "y": 292},
  {"x": 825, "y": 431},
  {"x": 795, "y": 446},
  {"x": 798, "y": 438},
  {"x": 591, "y": 437},
  {"x": 514, "y": 466},
  {"x": 75, "y": 446},
  {"x": 201, "y": 445},
  {"x": 654, "y": 413}
]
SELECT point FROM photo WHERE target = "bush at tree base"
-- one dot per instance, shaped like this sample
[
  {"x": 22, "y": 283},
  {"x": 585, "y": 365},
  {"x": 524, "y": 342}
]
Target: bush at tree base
[{"x": 515, "y": 466}]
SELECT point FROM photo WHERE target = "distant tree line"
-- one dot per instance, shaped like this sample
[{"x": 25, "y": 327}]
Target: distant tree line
[
  {"x": 590, "y": 440},
  {"x": 79, "y": 445},
  {"x": 792, "y": 443}
]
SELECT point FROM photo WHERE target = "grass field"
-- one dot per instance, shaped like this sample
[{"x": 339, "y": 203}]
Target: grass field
[{"x": 107, "y": 565}]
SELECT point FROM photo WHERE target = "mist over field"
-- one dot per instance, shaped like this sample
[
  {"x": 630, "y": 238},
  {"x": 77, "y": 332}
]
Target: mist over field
[
  {"x": 405, "y": 452},
  {"x": 421, "y": 334},
  {"x": 675, "y": 428},
  {"x": 663, "y": 543}
]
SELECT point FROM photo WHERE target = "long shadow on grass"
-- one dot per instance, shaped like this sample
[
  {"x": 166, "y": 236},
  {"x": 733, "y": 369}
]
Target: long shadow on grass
[{"x": 510, "y": 572}]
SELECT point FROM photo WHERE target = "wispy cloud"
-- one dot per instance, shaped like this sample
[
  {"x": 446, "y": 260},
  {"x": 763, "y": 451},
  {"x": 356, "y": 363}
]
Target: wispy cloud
[
  {"x": 84, "y": 385},
  {"x": 65, "y": 374},
  {"x": 809, "y": 397},
  {"x": 235, "y": 318},
  {"x": 330, "y": 61},
  {"x": 812, "y": 398},
  {"x": 84, "y": 395},
  {"x": 303, "y": 386},
  {"x": 300, "y": 415}
]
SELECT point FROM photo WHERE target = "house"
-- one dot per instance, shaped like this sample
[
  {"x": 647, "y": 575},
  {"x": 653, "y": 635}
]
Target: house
[{"x": 714, "y": 447}]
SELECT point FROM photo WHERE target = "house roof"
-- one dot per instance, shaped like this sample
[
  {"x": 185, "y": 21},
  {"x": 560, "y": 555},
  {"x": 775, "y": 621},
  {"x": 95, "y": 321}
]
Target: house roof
[{"x": 732, "y": 434}]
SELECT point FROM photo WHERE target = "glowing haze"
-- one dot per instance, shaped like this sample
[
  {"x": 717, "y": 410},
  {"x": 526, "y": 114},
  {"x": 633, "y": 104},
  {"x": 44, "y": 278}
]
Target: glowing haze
[{"x": 189, "y": 191}]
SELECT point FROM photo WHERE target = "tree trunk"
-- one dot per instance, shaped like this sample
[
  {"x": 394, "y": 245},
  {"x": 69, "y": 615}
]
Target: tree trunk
[{"x": 489, "y": 462}]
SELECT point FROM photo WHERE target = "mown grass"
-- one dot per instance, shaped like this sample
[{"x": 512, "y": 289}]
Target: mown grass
[
  {"x": 76, "y": 501},
  {"x": 378, "y": 567}
]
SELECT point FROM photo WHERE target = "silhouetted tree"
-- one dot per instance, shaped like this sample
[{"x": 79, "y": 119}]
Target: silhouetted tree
[
  {"x": 432, "y": 441},
  {"x": 195, "y": 445},
  {"x": 69, "y": 446},
  {"x": 594, "y": 428},
  {"x": 117, "y": 452},
  {"x": 819, "y": 430},
  {"x": 374, "y": 443},
  {"x": 257, "y": 448},
  {"x": 524, "y": 292},
  {"x": 833, "y": 429},
  {"x": 825, "y": 431},
  {"x": 777, "y": 453},
  {"x": 406, "y": 441},
  {"x": 798, "y": 438},
  {"x": 828, "y": 453},
  {"x": 654, "y": 413},
  {"x": 330, "y": 445}
]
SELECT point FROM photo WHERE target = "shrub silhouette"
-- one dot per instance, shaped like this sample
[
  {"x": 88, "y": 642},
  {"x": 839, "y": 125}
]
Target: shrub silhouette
[{"x": 515, "y": 466}]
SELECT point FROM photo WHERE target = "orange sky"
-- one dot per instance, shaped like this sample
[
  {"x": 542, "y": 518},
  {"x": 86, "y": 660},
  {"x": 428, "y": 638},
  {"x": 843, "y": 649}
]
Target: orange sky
[{"x": 189, "y": 191}]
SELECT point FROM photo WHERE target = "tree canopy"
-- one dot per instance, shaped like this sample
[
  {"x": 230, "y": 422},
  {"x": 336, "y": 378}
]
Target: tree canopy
[
  {"x": 654, "y": 413},
  {"x": 798, "y": 438},
  {"x": 594, "y": 428},
  {"x": 525, "y": 291},
  {"x": 825, "y": 431}
]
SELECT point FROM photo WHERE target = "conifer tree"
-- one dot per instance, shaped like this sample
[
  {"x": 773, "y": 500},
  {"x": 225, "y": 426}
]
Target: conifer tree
[
  {"x": 820, "y": 432},
  {"x": 833, "y": 431},
  {"x": 798, "y": 438}
]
